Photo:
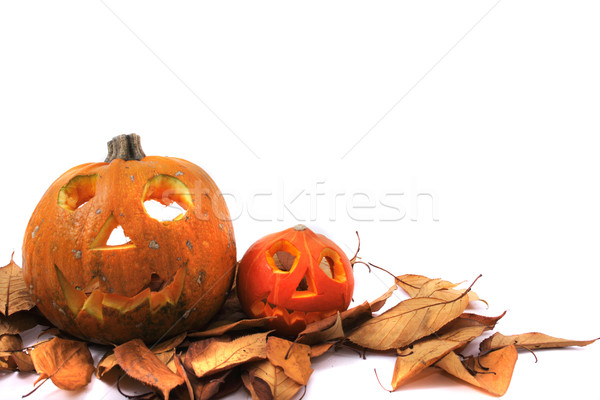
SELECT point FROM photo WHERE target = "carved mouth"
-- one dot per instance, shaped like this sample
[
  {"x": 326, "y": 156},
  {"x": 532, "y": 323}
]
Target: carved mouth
[
  {"x": 263, "y": 308},
  {"x": 97, "y": 301}
]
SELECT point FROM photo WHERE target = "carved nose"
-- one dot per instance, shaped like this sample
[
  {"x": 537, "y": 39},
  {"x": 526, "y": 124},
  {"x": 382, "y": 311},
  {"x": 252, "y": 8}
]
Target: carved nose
[{"x": 108, "y": 237}]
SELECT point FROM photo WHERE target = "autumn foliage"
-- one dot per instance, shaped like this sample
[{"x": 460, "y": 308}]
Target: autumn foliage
[{"x": 429, "y": 329}]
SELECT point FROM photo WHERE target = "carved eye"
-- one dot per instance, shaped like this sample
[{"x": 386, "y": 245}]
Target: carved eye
[
  {"x": 331, "y": 265},
  {"x": 282, "y": 256},
  {"x": 166, "y": 198},
  {"x": 77, "y": 192}
]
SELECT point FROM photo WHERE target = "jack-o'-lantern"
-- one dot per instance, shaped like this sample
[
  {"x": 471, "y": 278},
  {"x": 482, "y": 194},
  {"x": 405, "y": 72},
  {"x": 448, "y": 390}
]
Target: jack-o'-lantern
[
  {"x": 297, "y": 276},
  {"x": 170, "y": 276}
]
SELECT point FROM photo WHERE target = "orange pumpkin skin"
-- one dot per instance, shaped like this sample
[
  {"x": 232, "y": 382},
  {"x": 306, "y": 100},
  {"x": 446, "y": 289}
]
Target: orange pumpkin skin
[
  {"x": 171, "y": 277},
  {"x": 303, "y": 294}
]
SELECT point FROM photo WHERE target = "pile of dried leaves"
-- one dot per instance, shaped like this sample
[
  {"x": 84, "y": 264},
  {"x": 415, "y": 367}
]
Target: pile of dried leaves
[{"x": 429, "y": 329}]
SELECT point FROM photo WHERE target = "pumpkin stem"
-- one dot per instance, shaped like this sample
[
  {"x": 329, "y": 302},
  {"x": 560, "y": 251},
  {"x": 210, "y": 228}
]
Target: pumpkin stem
[{"x": 125, "y": 147}]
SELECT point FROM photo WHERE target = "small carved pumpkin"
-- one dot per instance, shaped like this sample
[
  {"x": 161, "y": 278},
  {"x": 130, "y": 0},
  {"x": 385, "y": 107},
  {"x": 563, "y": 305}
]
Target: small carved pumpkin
[
  {"x": 297, "y": 276},
  {"x": 170, "y": 276}
]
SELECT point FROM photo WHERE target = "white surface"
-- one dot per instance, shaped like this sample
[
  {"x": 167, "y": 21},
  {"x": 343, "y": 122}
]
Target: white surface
[{"x": 501, "y": 133}]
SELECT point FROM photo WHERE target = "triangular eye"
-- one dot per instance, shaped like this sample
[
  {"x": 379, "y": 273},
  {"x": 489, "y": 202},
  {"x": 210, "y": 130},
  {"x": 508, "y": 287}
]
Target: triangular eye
[
  {"x": 283, "y": 260},
  {"x": 326, "y": 266}
]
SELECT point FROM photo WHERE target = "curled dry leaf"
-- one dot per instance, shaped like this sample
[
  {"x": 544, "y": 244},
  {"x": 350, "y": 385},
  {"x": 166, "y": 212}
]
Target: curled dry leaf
[
  {"x": 322, "y": 331},
  {"x": 531, "y": 341},
  {"x": 319, "y": 349},
  {"x": 169, "y": 344},
  {"x": 295, "y": 362},
  {"x": 407, "y": 322},
  {"x": 424, "y": 353},
  {"x": 422, "y": 286},
  {"x": 14, "y": 295},
  {"x": 68, "y": 363},
  {"x": 491, "y": 372},
  {"x": 233, "y": 326},
  {"x": 259, "y": 389},
  {"x": 10, "y": 343},
  {"x": 379, "y": 302},
  {"x": 106, "y": 364},
  {"x": 215, "y": 386},
  {"x": 141, "y": 364},
  {"x": 281, "y": 386},
  {"x": 17, "y": 323},
  {"x": 109, "y": 361},
  {"x": 219, "y": 356}
]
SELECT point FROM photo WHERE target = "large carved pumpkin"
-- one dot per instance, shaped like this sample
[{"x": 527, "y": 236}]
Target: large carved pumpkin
[
  {"x": 170, "y": 277},
  {"x": 297, "y": 276}
]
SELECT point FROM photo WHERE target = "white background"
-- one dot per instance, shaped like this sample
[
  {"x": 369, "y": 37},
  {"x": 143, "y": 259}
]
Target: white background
[{"x": 491, "y": 109}]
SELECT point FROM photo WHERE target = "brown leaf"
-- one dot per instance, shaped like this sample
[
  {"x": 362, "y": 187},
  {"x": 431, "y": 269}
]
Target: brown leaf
[
  {"x": 531, "y": 341},
  {"x": 232, "y": 326},
  {"x": 68, "y": 363},
  {"x": 421, "y": 286},
  {"x": 295, "y": 362},
  {"x": 168, "y": 344},
  {"x": 10, "y": 343},
  {"x": 106, "y": 364},
  {"x": 180, "y": 370},
  {"x": 219, "y": 356},
  {"x": 17, "y": 323},
  {"x": 491, "y": 372},
  {"x": 411, "y": 361},
  {"x": 141, "y": 364},
  {"x": 17, "y": 360},
  {"x": 319, "y": 349},
  {"x": 216, "y": 386},
  {"x": 379, "y": 302},
  {"x": 407, "y": 322},
  {"x": 468, "y": 327},
  {"x": 258, "y": 388},
  {"x": 282, "y": 387},
  {"x": 14, "y": 295},
  {"x": 322, "y": 331}
]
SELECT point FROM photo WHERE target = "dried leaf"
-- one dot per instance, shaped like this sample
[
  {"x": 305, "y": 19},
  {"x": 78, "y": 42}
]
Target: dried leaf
[
  {"x": 282, "y": 387},
  {"x": 141, "y": 364},
  {"x": 379, "y": 302},
  {"x": 233, "y": 326},
  {"x": 17, "y": 323},
  {"x": 411, "y": 361},
  {"x": 491, "y": 372},
  {"x": 68, "y": 363},
  {"x": 10, "y": 343},
  {"x": 215, "y": 386},
  {"x": 106, "y": 364},
  {"x": 219, "y": 356},
  {"x": 407, "y": 322},
  {"x": 335, "y": 326},
  {"x": 168, "y": 359},
  {"x": 258, "y": 388},
  {"x": 295, "y": 362},
  {"x": 322, "y": 331},
  {"x": 168, "y": 344},
  {"x": 468, "y": 327},
  {"x": 531, "y": 341},
  {"x": 319, "y": 349},
  {"x": 180, "y": 370},
  {"x": 421, "y": 286},
  {"x": 14, "y": 295},
  {"x": 17, "y": 360}
]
